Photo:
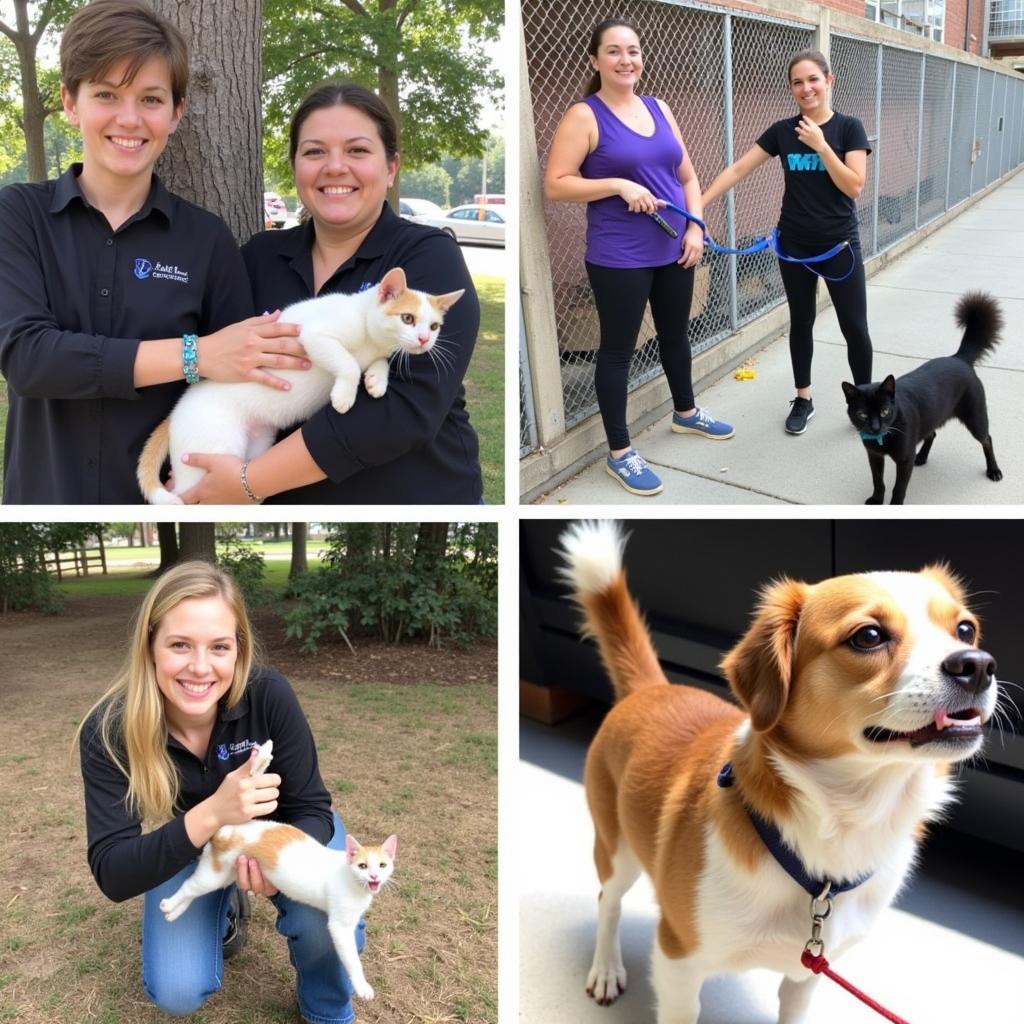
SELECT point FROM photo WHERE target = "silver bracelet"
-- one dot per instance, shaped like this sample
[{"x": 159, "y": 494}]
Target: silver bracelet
[{"x": 245, "y": 485}]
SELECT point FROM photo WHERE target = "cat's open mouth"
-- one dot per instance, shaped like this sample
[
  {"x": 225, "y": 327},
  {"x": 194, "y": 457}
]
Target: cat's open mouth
[{"x": 373, "y": 884}]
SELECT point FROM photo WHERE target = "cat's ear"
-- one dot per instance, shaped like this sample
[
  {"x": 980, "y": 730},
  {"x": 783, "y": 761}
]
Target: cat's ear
[
  {"x": 445, "y": 302},
  {"x": 351, "y": 846},
  {"x": 390, "y": 846},
  {"x": 850, "y": 390},
  {"x": 392, "y": 285},
  {"x": 889, "y": 385}
]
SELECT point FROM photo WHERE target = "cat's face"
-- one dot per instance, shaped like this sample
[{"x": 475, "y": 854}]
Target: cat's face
[
  {"x": 371, "y": 865},
  {"x": 411, "y": 319},
  {"x": 871, "y": 407}
]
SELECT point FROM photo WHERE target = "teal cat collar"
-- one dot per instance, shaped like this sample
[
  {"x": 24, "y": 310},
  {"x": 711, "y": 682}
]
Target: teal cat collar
[
  {"x": 190, "y": 358},
  {"x": 864, "y": 436},
  {"x": 244, "y": 474}
]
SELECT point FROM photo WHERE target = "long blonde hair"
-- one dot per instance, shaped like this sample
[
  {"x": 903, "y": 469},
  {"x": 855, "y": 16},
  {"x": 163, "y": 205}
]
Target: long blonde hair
[{"x": 131, "y": 726}]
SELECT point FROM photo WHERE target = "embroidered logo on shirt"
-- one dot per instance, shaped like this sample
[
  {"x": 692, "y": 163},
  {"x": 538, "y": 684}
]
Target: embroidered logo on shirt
[
  {"x": 164, "y": 271},
  {"x": 366, "y": 286},
  {"x": 805, "y": 162},
  {"x": 222, "y": 752}
]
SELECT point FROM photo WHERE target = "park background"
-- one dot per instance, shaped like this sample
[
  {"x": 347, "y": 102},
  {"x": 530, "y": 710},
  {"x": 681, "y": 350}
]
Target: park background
[
  {"x": 405, "y": 721},
  {"x": 435, "y": 63}
]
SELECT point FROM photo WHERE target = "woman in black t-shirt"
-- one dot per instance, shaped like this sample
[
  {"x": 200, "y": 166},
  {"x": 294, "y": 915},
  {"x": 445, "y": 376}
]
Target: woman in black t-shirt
[{"x": 824, "y": 161}]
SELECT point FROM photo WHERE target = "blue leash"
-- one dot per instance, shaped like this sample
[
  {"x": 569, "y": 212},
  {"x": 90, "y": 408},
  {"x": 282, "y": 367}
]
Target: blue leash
[{"x": 769, "y": 242}]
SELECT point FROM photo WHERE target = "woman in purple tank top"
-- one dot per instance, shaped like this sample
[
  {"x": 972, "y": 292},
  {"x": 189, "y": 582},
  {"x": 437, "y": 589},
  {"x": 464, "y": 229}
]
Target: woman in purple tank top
[{"x": 622, "y": 154}]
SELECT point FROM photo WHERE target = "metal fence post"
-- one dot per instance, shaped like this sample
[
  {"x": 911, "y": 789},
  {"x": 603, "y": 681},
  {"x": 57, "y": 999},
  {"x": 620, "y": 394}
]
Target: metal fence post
[
  {"x": 880, "y": 158},
  {"x": 949, "y": 136},
  {"x": 920, "y": 144},
  {"x": 730, "y": 198}
]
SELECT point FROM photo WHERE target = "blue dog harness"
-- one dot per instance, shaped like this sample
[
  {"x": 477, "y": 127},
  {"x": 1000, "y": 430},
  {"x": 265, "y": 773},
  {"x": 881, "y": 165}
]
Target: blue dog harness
[
  {"x": 770, "y": 241},
  {"x": 784, "y": 856}
]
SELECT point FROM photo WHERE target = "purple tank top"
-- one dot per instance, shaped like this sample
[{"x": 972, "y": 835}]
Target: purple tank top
[{"x": 616, "y": 237}]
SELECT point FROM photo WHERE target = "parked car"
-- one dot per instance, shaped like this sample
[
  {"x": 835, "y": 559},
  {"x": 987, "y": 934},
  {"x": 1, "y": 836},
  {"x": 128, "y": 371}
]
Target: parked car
[
  {"x": 472, "y": 224},
  {"x": 415, "y": 209},
  {"x": 275, "y": 213}
]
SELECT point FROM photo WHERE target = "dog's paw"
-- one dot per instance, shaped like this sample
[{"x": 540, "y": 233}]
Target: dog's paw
[
  {"x": 606, "y": 984},
  {"x": 994, "y": 474}
]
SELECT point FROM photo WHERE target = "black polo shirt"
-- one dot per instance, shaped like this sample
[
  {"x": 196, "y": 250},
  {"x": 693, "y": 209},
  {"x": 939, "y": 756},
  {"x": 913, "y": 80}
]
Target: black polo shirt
[
  {"x": 75, "y": 300},
  {"x": 126, "y": 863},
  {"x": 415, "y": 445}
]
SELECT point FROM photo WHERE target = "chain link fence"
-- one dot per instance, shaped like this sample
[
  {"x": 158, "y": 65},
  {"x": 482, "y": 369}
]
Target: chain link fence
[{"x": 940, "y": 130}]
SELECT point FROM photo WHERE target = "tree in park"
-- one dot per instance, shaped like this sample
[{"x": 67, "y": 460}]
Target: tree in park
[
  {"x": 421, "y": 56},
  {"x": 39, "y": 92}
]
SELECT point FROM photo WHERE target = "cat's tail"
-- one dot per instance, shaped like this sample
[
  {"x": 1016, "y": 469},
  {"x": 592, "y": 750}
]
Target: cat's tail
[
  {"x": 148, "y": 470},
  {"x": 979, "y": 315},
  {"x": 593, "y": 555}
]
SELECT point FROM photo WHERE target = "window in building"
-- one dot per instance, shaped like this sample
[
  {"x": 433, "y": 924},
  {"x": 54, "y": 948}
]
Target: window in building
[
  {"x": 1006, "y": 19},
  {"x": 922, "y": 17}
]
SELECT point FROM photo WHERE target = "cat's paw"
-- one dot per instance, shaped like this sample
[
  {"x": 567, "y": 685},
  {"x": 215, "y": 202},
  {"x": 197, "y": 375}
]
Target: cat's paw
[
  {"x": 994, "y": 474},
  {"x": 363, "y": 990},
  {"x": 376, "y": 384},
  {"x": 875, "y": 499},
  {"x": 343, "y": 397}
]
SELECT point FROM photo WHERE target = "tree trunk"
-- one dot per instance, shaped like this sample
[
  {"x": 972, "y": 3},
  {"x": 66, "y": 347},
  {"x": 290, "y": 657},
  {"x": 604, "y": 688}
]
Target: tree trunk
[
  {"x": 168, "y": 547},
  {"x": 431, "y": 544},
  {"x": 26, "y": 40},
  {"x": 196, "y": 541},
  {"x": 215, "y": 158},
  {"x": 300, "y": 563}
]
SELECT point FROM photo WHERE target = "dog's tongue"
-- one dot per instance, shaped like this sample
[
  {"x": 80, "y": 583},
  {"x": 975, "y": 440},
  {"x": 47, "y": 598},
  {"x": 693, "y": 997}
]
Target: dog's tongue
[{"x": 942, "y": 722}]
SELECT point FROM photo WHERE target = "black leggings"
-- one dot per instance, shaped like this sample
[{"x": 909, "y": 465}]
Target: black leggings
[
  {"x": 620, "y": 296},
  {"x": 849, "y": 298}
]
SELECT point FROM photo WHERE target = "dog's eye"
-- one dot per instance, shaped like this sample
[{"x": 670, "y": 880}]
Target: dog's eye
[
  {"x": 966, "y": 632},
  {"x": 868, "y": 638}
]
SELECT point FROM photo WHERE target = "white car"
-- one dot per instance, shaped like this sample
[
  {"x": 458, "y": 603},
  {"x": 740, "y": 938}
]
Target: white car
[
  {"x": 416, "y": 209},
  {"x": 472, "y": 224}
]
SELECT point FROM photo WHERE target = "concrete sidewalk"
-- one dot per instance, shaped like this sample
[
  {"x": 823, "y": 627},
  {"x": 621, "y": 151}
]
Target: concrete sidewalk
[{"x": 910, "y": 314}]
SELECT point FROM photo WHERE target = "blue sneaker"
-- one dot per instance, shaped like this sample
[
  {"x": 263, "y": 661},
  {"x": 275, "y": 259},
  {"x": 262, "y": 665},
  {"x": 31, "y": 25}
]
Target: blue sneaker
[
  {"x": 633, "y": 473},
  {"x": 703, "y": 423}
]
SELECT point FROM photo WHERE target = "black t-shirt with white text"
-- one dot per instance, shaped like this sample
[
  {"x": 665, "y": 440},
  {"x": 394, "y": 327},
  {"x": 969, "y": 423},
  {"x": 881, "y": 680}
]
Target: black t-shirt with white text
[{"x": 814, "y": 210}]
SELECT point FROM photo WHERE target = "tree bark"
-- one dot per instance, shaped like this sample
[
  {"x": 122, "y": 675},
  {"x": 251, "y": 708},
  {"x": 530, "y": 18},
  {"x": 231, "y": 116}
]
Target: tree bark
[
  {"x": 168, "y": 547},
  {"x": 215, "y": 158},
  {"x": 300, "y": 562},
  {"x": 196, "y": 541}
]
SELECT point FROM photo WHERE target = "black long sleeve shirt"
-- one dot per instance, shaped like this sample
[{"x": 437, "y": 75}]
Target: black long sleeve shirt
[
  {"x": 415, "y": 445},
  {"x": 127, "y": 862},
  {"x": 76, "y": 299}
]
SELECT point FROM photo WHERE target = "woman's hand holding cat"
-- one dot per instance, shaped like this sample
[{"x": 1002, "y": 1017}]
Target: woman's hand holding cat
[
  {"x": 239, "y": 798},
  {"x": 245, "y": 351},
  {"x": 251, "y": 879}
]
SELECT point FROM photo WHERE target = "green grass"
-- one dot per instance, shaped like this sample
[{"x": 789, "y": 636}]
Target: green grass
[{"x": 485, "y": 386}]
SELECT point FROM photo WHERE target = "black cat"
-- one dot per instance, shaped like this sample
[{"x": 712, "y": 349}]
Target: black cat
[{"x": 893, "y": 417}]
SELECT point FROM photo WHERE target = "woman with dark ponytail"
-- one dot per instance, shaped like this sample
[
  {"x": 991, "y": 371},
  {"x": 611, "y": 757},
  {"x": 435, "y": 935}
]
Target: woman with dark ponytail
[
  {"x": 824, "y": 161},
  {"x": 622, "y": 154}
]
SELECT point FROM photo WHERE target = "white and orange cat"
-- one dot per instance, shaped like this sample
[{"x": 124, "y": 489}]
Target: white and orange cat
[
  {"x": 346, "y": 336},
  {"x": 342, "y": 885}
]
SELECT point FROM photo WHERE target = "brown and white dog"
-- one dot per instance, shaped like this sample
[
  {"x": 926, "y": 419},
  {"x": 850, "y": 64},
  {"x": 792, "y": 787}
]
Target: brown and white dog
[{"x": 858, "y": 693}]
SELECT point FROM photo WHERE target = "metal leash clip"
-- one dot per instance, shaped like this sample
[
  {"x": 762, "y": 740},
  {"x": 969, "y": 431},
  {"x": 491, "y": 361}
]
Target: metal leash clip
[{"x": 818, "y": 919}]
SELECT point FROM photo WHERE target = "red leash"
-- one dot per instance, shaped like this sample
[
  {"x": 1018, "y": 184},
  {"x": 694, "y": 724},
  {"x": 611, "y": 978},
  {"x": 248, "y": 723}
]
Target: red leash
[{"x": 819, "y": 965}]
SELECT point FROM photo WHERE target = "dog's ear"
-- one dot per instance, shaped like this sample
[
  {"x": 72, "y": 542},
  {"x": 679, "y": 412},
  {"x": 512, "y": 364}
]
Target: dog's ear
[
  {"x": 889, "y": 385},
  {"x": 760, "y": 667},
  {"x": 849, "y": 390}
]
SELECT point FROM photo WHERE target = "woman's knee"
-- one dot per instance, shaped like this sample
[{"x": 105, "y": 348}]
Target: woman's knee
[{"x": 177, "y": 994}]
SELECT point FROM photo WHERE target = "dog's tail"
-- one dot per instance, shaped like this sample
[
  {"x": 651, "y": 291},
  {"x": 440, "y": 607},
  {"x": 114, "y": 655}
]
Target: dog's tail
[
  {"x": 981, "y": 319},
  {"x": 593, "y": 557}
]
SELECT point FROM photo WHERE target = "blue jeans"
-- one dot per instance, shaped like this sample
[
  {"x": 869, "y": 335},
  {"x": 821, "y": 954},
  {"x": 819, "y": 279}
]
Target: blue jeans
[{"x": 182, "y": 962}]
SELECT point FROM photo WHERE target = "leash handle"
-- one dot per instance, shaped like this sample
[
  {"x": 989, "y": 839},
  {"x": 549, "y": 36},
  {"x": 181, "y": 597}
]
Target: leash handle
[{"x": 819, "y": 965}]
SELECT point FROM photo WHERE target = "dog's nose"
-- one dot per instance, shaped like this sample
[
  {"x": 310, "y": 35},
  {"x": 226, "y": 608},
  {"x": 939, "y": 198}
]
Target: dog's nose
[{"x": 973, "y": 670}]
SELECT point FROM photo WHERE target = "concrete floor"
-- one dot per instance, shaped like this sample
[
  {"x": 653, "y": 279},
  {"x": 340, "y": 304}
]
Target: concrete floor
[{"x": 958, "y": 930}]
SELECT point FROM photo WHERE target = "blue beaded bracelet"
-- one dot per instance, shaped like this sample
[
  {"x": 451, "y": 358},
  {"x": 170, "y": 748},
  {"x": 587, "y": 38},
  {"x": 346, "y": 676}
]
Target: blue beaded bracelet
[{"x": 189, "y": 358}]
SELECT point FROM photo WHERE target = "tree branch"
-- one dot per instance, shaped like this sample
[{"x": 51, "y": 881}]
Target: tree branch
[
  {"x": 405, "y": 12},
  {"x": 45, "y": 17}
]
